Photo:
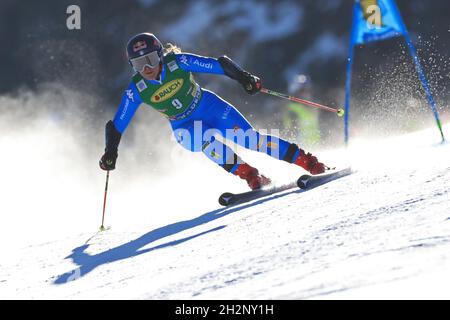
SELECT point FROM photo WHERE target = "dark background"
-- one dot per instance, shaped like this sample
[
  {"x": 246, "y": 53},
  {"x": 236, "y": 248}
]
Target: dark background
[{"x": 37, "y": 48}]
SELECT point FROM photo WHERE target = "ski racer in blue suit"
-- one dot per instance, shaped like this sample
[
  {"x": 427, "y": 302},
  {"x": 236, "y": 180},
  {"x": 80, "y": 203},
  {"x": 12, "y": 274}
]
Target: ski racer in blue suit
[{"x": 164, "y": 80}]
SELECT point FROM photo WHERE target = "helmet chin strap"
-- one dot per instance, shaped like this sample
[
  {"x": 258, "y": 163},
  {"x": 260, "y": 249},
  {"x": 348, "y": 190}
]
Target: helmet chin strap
[{"x": 158, "y": 77}]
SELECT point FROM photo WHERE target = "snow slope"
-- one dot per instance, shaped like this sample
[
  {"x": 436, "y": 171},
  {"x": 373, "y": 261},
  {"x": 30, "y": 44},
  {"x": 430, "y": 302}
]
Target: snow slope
[{"x": 381, "y": 233}]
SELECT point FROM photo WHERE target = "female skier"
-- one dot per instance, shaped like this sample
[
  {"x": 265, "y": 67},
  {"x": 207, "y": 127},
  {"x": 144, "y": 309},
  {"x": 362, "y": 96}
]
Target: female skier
[{"x": 163, "y": 80}]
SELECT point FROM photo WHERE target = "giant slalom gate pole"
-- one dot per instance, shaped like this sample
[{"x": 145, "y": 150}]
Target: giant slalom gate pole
[
  {"x": 339, "y": 111},
  {"x": 102, "y": 227}
]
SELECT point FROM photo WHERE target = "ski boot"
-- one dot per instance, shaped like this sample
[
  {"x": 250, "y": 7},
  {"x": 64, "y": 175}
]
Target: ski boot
[
  {"x": 251, "y": 175},
  {"x": 310, "y": 163}
]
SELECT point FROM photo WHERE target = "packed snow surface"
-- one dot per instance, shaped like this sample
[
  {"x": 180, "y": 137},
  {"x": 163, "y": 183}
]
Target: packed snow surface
[{"x": 381, "y": 233}]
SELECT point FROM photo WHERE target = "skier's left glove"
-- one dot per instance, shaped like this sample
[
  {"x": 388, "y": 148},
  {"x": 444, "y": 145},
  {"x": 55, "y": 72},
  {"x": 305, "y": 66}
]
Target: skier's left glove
[{"x": 252, "y": 84}]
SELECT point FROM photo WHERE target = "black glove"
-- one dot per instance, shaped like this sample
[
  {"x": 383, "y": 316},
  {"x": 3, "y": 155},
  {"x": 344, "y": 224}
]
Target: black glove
[
  {"x": 108, "y": 160},
  {"x": 251, "y": 83},
  {"x": 112, "y": 135}
]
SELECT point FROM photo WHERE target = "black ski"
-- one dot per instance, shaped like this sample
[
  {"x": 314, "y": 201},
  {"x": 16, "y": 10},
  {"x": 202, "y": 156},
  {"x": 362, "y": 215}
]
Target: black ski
[
  {"x": 228, "y": 198},
  {"x": 305, "y": 182}
]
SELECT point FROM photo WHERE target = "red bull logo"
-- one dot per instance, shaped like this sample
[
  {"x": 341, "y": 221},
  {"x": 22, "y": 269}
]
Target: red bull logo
[{"x": 139, "y": 46}]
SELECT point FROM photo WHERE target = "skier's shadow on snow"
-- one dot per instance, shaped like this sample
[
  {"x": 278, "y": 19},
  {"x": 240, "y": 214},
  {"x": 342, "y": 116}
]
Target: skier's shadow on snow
[{"x": 86, "y": 262}]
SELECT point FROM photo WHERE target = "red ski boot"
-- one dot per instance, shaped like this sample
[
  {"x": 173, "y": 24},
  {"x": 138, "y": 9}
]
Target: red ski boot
[
  {"x": 310, "y": 163},
  {"x": 251, "y": 175}
]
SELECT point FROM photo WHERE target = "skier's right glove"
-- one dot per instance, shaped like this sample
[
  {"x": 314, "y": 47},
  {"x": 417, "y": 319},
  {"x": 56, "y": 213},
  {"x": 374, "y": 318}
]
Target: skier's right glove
[
  {"x": 108, "y": 160},
  {"x": 112, "y": 136}
]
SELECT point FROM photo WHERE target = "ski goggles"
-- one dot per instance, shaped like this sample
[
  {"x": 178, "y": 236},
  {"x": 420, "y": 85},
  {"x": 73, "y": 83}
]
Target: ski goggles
[{"x": 150, "y": 60}]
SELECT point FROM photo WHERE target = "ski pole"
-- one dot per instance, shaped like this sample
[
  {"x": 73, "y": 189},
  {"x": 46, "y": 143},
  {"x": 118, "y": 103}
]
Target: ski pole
[
  {"x": 339, "y": 111},
  {"x": 102, "y": 227}
]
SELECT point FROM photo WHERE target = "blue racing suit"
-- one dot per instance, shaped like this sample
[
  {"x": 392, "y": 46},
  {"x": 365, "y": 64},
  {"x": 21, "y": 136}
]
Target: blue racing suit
[{"x": 212, "y": 117}]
